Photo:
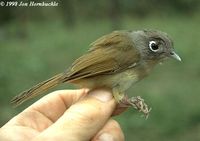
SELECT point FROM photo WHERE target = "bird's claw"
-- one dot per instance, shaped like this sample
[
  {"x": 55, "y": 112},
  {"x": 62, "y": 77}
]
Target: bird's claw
[{"x": 138, "y": 103}]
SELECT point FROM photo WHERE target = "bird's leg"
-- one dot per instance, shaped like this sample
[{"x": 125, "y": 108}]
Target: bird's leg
[
  {"x": 118, "y": 96},
  {"x": 136, "y": 102}
]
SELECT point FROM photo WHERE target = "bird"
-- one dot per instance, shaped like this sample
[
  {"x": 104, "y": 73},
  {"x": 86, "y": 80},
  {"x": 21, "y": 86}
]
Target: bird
[{"x": 116, "y": 61}]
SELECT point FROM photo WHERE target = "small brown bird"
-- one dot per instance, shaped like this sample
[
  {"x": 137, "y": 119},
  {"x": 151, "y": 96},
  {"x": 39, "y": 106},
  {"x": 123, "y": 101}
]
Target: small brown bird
[{"x": 116, "y": 61}]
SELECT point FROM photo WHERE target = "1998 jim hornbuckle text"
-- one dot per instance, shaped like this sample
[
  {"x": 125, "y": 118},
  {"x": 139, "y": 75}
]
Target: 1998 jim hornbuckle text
[{"x": 31, "y": 3}]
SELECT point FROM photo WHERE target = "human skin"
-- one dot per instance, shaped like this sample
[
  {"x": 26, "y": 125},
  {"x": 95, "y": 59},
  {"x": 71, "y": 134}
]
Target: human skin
[{"x": 73, "y": 115}]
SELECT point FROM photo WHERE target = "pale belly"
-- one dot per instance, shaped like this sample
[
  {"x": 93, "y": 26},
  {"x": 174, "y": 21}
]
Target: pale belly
[{"x": 122, "y": 81}]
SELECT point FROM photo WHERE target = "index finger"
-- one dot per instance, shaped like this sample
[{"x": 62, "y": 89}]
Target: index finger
[{"x": 56, "y": 103}]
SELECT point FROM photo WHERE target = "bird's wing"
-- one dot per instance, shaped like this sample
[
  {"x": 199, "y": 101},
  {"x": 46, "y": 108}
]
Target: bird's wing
[{"x": 111, "y": 53}]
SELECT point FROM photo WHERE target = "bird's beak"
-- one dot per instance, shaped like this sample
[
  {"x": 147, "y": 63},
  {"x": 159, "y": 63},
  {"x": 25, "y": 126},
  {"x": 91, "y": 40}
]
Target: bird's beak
[{"x": 175, "y": 56}]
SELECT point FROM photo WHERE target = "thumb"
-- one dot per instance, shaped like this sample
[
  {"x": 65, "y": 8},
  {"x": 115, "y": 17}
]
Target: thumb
[{"x": 83, "y": 119}]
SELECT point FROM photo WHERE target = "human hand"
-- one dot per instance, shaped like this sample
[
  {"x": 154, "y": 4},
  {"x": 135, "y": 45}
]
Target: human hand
[{"x": 66, "y": 115}]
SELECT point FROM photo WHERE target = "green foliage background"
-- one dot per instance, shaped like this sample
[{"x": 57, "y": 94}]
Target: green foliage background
[{"x": 44, "y": 44}]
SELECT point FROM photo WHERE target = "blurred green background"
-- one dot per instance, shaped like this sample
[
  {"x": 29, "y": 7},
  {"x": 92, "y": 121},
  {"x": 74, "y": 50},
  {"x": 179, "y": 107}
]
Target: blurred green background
[{"x": 38, "y": 42}]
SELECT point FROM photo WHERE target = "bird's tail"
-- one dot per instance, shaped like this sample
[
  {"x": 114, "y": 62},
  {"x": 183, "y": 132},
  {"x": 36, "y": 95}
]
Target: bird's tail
[{"x": 37, "y": 89}]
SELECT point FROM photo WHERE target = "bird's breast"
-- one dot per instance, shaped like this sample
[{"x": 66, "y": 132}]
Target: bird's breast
[{"x": 126, "y": 79}]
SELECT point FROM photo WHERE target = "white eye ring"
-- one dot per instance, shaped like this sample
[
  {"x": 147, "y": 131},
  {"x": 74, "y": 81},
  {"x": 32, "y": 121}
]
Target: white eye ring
[{"x": 153, "y": 46}]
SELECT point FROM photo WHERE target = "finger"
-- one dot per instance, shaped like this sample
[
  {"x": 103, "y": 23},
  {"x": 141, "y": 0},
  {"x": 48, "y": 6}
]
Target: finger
[
  {"x": 83, "y": 119},
  {"x": 55, "y": 104},
  {"x": 110, "y": 132},
  {"x": 119, "y": 109},
  {"x": 47, "y": 110}
]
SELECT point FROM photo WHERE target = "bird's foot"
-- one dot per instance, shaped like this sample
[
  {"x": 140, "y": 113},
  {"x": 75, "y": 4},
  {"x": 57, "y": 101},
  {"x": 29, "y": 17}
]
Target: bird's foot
[{"x": 137, "y": 103}]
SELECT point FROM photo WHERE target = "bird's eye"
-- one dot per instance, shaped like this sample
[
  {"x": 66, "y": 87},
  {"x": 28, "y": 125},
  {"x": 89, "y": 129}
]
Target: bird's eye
[{"x": 153, "y": 46}]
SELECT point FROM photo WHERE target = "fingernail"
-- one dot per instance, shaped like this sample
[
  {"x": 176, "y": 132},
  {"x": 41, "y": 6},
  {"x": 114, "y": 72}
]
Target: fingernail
[
  {"x": 102, "y": 95},
  {"x": 105, "y": 137}
]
